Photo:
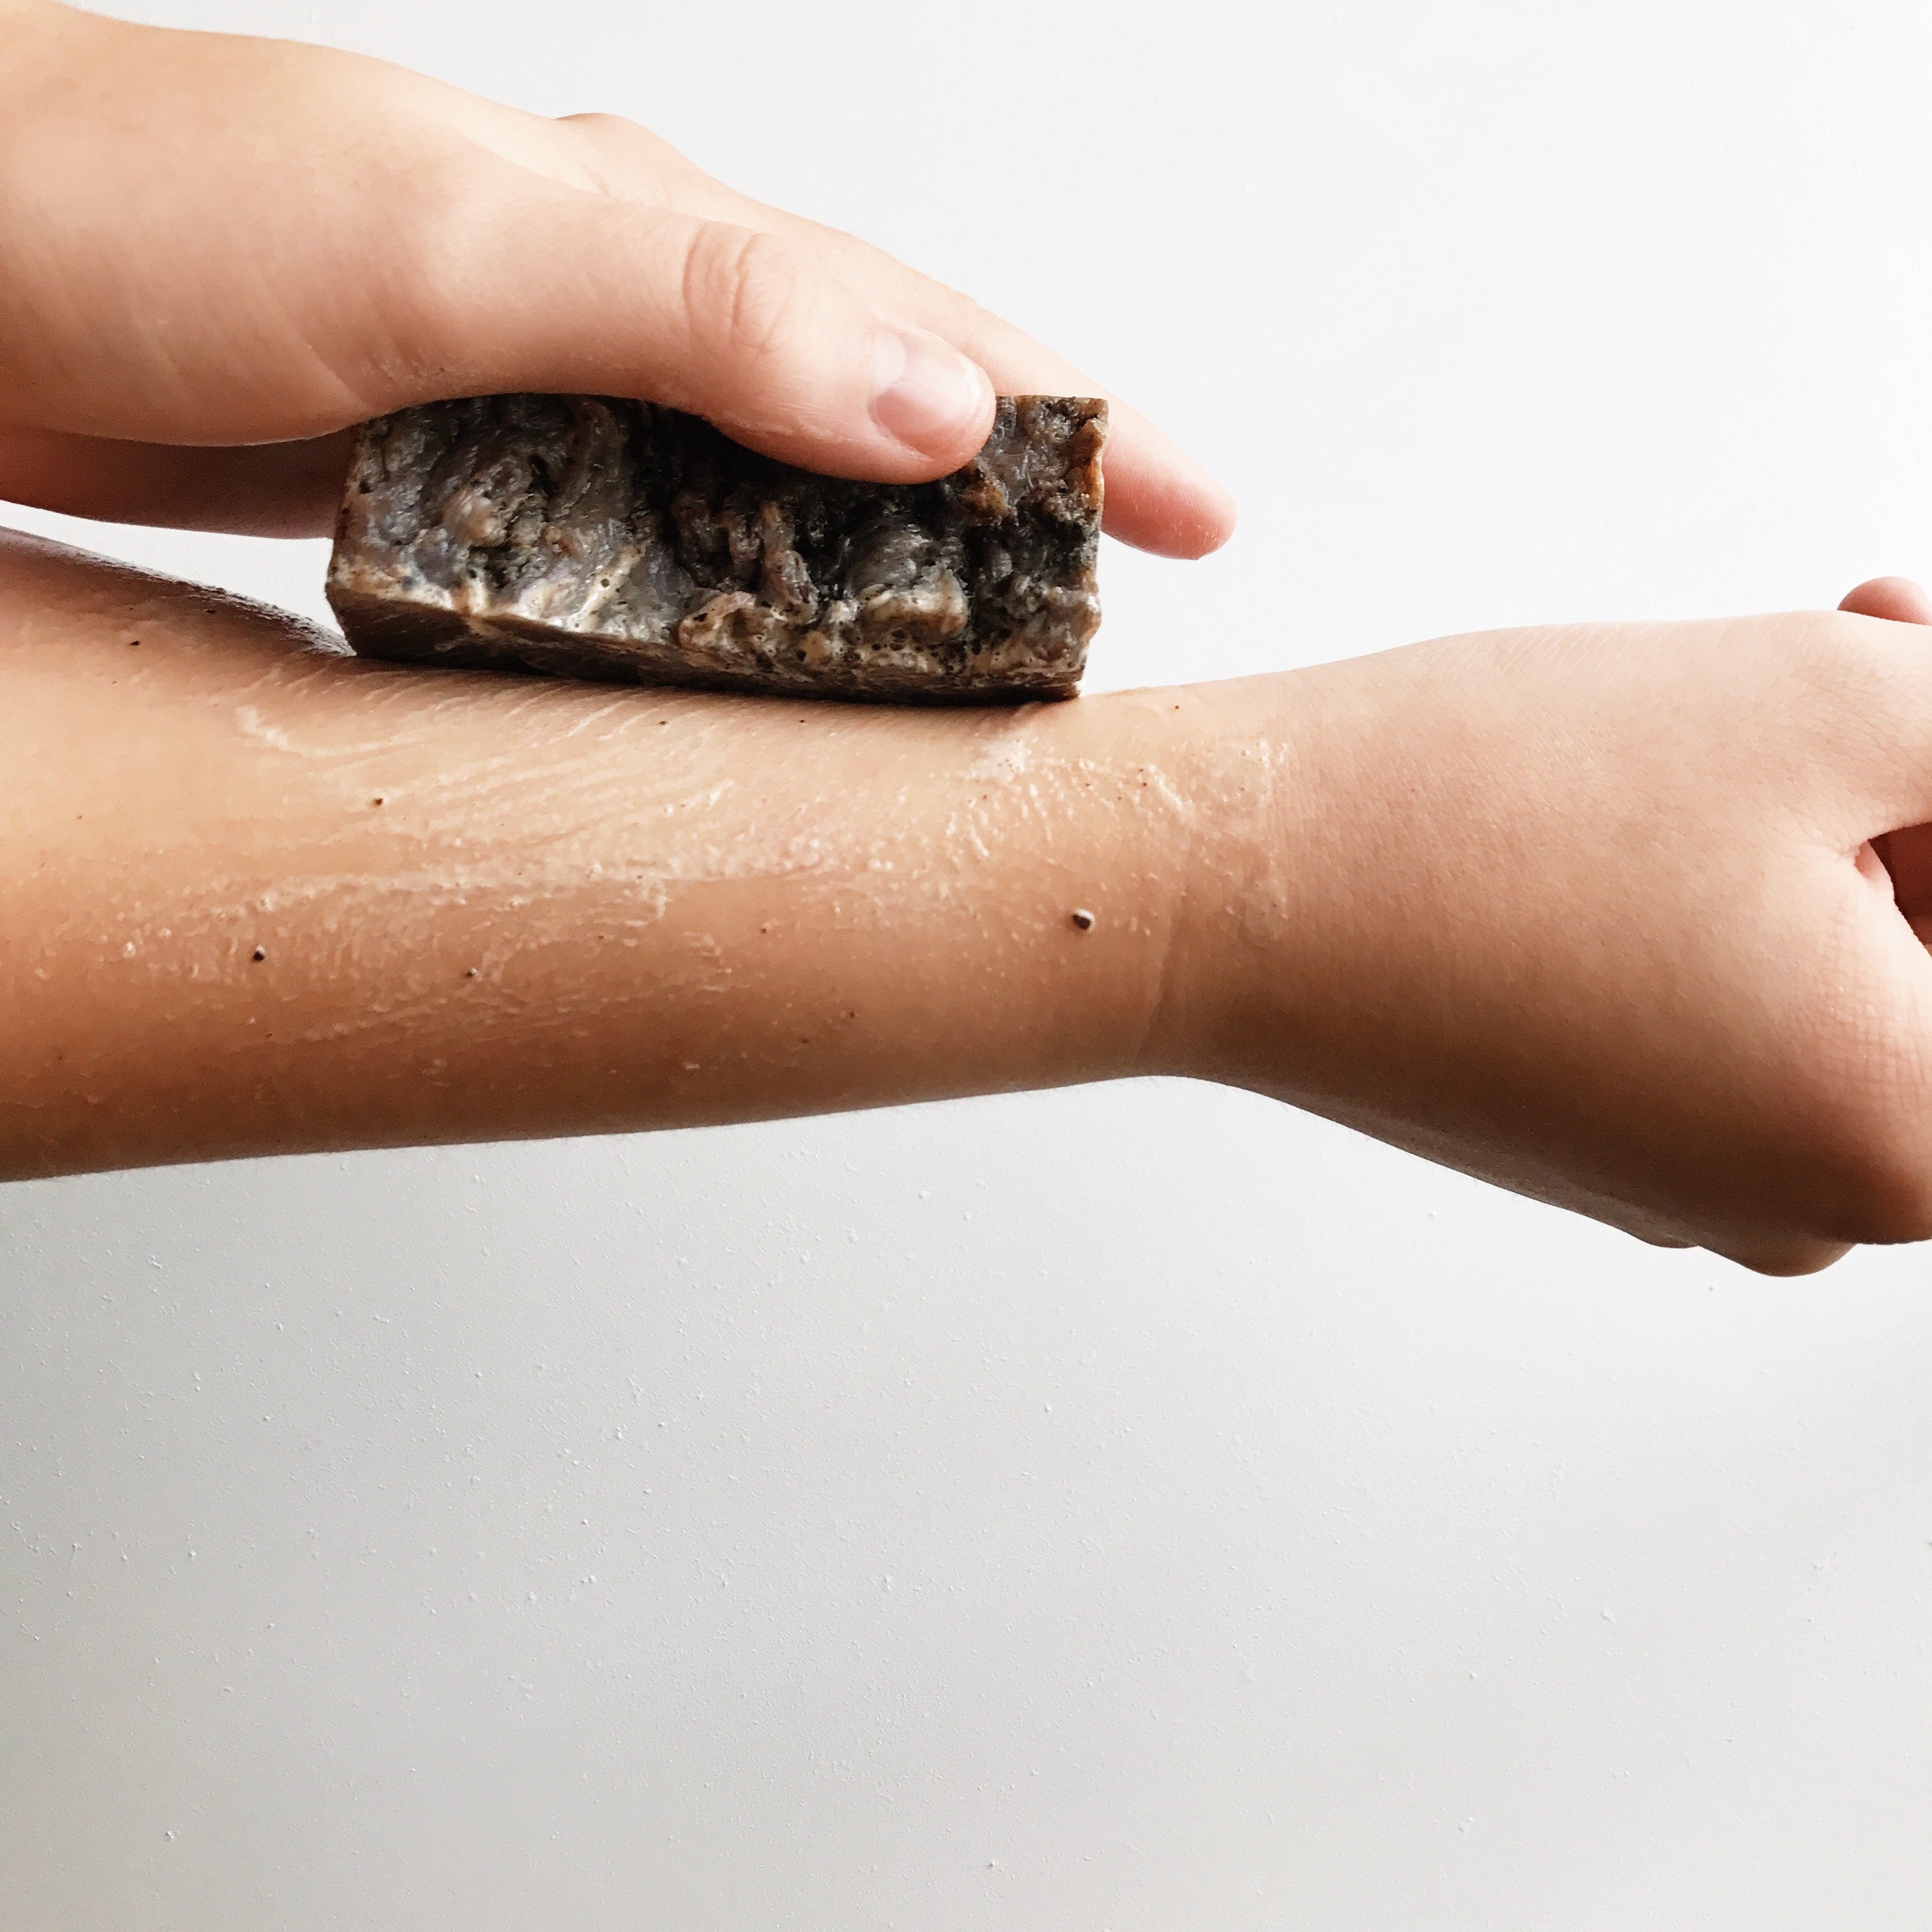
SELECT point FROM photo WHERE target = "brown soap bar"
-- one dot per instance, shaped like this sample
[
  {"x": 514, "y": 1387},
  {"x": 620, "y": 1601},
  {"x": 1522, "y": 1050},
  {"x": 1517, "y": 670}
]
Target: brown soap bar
[{"x": 590, "y": 537}]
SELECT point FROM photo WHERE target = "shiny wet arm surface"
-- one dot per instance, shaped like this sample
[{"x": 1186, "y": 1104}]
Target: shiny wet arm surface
[{"x": 261, "y": 899}]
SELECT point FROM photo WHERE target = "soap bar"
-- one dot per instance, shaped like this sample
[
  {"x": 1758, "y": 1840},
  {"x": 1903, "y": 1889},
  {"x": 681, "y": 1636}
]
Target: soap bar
[{"x": 587, "y": 536}]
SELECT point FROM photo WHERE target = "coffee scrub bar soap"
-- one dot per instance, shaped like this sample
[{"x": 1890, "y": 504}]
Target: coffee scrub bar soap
[{"x": 595, "y": 538}]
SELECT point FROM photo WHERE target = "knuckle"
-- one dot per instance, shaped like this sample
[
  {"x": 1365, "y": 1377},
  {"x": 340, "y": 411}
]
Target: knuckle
[
  {"x": 601, "y": 127},
  {"x": 742, "y": 292},
  {"x": 618, "y": 157}
]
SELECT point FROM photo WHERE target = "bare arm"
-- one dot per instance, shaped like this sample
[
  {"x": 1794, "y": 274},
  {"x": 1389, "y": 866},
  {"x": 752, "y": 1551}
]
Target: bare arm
[
  {"x": 485, "y": 908},
  {"x": 1594, "y": 913}
]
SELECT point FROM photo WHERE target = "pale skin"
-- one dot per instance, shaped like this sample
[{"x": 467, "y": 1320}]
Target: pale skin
[
  {"x": 1624, "y": 917},
  {"x": 223, "y": 252}
]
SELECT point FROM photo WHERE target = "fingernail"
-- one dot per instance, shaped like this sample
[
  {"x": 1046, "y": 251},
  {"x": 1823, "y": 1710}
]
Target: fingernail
[{"x": 925, "y": 393}]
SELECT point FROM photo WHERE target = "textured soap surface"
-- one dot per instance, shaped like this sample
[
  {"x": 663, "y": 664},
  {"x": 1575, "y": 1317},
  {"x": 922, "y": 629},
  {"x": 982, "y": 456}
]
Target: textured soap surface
[{"x": 590, "y": 537}]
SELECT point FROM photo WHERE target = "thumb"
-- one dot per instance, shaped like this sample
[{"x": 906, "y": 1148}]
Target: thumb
[
  {"x": 215, "y": 240},
  {"x": 739, "y": 326}
]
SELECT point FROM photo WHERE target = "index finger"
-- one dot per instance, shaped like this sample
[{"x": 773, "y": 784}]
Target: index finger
[{"x": 1158, "y": 497}]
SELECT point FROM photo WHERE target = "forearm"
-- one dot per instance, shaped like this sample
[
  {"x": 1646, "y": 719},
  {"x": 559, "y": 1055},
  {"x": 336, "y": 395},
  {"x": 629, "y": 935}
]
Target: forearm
[
  {"x": 1591, "y": 912},
  {"x": 257, "y": 899}
]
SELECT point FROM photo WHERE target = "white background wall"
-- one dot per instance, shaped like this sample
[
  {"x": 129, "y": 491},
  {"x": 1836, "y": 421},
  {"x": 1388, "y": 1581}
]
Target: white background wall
[{"x": 1131, "y": 1508}]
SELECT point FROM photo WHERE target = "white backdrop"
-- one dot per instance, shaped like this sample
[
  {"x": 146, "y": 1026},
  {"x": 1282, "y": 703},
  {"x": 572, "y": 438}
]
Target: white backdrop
[{"x": 1112, "y": 1510}]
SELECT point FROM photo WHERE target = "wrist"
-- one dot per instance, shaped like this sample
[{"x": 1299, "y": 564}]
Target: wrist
[{"x": 1233, "y": 758}]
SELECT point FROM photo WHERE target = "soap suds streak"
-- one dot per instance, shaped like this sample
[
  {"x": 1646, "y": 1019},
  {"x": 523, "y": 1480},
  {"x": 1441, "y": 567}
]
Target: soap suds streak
[{"x": 564, "y": 885}]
